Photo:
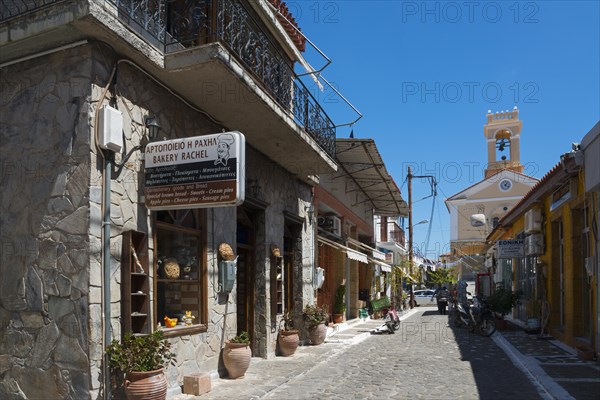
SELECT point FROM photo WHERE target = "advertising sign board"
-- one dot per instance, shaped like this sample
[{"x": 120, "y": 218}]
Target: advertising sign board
[
  {"x": 510, "y": 248},
  {"x": 195, "y": 172}
]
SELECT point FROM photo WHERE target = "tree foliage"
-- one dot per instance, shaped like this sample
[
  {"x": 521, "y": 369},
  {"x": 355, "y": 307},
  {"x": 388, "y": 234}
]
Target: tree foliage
[{"x": 442, "y": 275}]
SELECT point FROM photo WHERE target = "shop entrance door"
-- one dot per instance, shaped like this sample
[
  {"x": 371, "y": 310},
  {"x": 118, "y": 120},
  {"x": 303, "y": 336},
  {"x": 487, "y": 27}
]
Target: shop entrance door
[{"x": 245, "y": 274}]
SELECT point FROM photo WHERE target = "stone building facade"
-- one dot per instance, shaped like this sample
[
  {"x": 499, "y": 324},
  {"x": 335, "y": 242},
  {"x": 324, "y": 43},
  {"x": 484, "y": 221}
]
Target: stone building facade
[{"x": 54, "y": 295}]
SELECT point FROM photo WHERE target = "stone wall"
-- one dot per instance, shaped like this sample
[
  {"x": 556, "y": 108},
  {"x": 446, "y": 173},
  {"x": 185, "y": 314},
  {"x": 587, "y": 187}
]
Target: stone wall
[
  {"x": 282, "y": 192},
  {"x": 137, "y": 96},
  {"x": 51, "y": 224},
  {"x": 44, "y": 227}
]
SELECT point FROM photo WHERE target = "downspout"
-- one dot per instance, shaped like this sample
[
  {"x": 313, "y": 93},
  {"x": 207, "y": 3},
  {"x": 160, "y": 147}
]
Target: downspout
[
  {"x": 106, "y": 270},
  {"x": 106, "y": 174},
  {"x": 347, "y": 285}
]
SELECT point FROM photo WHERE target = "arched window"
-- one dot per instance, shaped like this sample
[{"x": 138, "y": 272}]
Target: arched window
[
  {"x": 503, "y": 145},
  {"x": 495, "y": 221}
]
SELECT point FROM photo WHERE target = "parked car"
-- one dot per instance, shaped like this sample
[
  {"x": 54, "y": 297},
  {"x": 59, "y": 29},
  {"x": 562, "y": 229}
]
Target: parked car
[{"x": 423, "y": 297}]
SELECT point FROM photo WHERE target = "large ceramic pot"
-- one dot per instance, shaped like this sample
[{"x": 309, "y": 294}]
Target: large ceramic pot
[
  {"x": 288, "y": 342},
  {"x": 317, "y": 334},
  {"x": 236, "y": 357},
  {"x": 150, "y": 385}
]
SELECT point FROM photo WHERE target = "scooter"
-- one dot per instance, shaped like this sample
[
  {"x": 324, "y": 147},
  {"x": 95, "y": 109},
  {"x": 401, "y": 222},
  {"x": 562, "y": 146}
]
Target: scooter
[
  {"x": 477, "y": 317},
  {"x": 392, "y": 320}
]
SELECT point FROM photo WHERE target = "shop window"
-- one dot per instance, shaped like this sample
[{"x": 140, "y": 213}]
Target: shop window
[{"x": 180, "y": 271}]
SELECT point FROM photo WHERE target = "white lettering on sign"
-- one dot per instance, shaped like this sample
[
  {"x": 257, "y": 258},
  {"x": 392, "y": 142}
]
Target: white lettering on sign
[{"x": 194, "y": 172}]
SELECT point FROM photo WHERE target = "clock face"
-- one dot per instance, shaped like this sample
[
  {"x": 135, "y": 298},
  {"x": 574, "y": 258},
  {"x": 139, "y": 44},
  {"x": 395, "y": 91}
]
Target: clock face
[{"x": 505, "y": 185}]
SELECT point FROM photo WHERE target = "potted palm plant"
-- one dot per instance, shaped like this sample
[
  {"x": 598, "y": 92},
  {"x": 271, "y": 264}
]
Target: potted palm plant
[
  {"x": 288, "y": 338},
  {"x": 142, "y": 359},
  {"x": 339, "y": 305},
  {"x": 316, "y": 317},
  {"x": 237, "y": 355}
]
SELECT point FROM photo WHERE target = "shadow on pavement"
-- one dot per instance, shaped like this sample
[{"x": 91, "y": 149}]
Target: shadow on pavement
[{"x": 494, "y": 373}]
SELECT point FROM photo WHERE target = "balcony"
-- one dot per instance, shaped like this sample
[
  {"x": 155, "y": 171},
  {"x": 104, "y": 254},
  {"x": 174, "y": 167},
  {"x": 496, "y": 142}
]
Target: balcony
[
  {"x": 217, "y": 54},
  {"x": 398, "y": 236}
]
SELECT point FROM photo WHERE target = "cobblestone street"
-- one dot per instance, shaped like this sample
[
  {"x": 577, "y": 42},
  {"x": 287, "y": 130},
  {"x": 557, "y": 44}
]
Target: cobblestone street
[{"x": 425, "y": 359}]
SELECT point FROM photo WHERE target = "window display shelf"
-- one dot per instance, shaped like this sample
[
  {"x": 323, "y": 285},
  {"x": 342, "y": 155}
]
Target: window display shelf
[{"x": 135, "y": 283}]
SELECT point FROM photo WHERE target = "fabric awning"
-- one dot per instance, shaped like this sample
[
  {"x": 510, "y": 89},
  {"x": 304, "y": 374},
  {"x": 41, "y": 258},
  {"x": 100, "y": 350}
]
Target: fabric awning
[
  {"x": 351, "y": 253},
  {"x": 384, "y": 267},
  {"x": 355, "y": 255},
  {"x": 374, "y": 253}
]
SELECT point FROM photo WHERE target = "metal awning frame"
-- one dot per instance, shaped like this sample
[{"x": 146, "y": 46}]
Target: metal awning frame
[{"x": 360, "y": 160}]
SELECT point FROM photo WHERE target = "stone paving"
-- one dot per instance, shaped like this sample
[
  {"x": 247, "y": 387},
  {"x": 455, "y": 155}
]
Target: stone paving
[
  {"x": 428, "y": 358},
  {"x": 555, "y": 366}
]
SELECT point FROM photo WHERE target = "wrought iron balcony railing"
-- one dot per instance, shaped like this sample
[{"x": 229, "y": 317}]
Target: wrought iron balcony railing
[
  {"x": 398, "y": 236},
  {"x": 13, "y": 8},
  {"x": 173, "y": 25}
]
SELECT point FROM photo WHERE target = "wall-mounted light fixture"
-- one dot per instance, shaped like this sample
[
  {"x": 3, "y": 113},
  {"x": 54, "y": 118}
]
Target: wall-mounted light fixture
[
  {"x": 310, "y": 212},
  {"x": 153, "y": 127},
  {"x": 254, "y": 189}
]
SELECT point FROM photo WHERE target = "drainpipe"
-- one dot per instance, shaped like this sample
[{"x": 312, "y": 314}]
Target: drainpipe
[
  {"x": 347, "y": 286},
  {"x": 106, "y": 269}
]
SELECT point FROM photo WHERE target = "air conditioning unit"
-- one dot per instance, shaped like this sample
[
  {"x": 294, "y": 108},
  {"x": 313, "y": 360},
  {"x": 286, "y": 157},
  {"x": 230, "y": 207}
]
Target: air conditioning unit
[
  {"x": 533, "y": 221},
  {"x": 534, "y": 245},
  {"x": 337, "y": 226},
  {"x": 331, "y": 223},
  {"x": 325, "y": 223}
]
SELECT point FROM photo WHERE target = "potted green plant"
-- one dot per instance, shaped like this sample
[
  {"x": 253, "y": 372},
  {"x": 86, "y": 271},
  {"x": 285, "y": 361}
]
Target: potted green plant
[
  {"x": 237, "y": 355},
  {"x": 316, "y": 317},
  {"x": 288, "y": 338},
  {"x": 339, "y": 304},
  {"x": 503, "y": 300},
  {"x": 142, "y": 358}
]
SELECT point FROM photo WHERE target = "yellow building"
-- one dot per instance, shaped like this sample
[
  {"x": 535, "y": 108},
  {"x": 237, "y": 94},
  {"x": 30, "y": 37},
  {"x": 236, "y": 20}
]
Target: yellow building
[
  {"x": 553, "y": 265},
  {"x": 503, "y": 185}
]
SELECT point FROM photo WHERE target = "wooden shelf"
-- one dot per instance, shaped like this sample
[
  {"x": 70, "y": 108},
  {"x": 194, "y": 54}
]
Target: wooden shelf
[
  {"x": 163, "y": 280},
  {"x": 135, "y": 284}
]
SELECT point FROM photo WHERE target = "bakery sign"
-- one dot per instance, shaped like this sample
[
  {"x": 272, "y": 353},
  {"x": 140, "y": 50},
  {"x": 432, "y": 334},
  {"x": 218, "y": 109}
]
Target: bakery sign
[{"x": 195, "y": 172}]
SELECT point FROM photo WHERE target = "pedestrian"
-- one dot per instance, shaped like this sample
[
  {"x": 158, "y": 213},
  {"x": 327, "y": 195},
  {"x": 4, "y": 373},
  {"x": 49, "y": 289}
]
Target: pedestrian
[{"x": 441, "y": 296}]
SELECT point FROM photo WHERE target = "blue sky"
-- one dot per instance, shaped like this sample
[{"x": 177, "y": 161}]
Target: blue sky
[{"x": 424, "y": 74}]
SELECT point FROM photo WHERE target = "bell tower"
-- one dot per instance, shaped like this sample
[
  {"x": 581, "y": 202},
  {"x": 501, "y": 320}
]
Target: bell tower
[{"x": 503, "y": 131}]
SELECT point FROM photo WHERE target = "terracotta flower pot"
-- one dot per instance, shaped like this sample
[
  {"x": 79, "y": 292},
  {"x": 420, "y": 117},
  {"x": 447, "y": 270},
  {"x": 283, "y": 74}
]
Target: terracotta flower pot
[
  {"x": 338, "y": 318},
  {"x": 288, "y": 342},
  {"x": 317, "y": 334},
  {"x": 236, "y": 357},
  {"x": 150, "y": 385}
]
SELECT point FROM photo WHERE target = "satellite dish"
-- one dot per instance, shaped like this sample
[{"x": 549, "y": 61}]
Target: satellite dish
[{"x": 478, "y": 220}]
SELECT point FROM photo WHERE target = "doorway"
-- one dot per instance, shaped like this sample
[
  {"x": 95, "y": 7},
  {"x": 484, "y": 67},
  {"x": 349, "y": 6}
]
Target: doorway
[{"x": 246, "y": 242}]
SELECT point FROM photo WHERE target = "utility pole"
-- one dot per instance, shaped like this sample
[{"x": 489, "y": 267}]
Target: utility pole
[{"x": 410, "y": 238}]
